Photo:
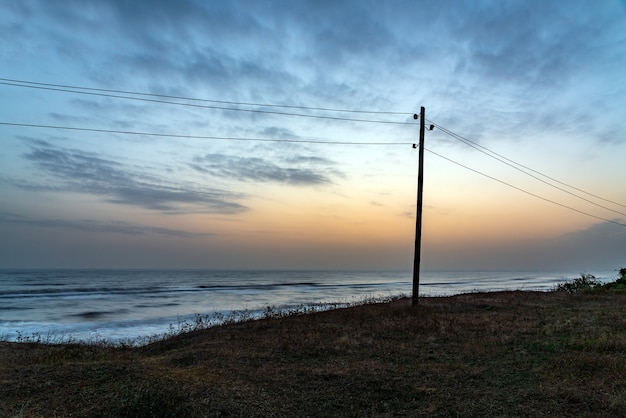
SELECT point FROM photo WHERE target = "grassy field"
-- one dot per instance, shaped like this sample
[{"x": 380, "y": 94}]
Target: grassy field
[{"x": 482, "y": 354}]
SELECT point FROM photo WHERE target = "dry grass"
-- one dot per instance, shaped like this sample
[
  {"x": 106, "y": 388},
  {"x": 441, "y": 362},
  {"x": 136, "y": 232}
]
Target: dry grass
[{"x": 492, "y": 354}]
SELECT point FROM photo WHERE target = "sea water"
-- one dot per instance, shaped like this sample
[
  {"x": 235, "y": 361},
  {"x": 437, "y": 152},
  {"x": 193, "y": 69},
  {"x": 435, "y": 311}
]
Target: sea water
[{"x": 125, "y": 305}]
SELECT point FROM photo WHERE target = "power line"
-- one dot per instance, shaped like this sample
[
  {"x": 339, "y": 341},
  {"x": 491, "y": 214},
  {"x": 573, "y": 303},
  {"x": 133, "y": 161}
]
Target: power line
[
  {"x": 204, "y": 100},
  {"x": 503, "y": 160},
  {"x": 525, "y": 191},
  {"x": 486, "y": 151},
  {"x": 308, "y": 141},
  {"x": 165, "y": 135},
  {"x": 270, "y": 112},
  {"x": 507, "y": 161}
]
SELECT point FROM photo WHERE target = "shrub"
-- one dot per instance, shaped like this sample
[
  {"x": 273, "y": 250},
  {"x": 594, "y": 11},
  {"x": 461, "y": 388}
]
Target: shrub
[
  {"x": 620, "y": 283},
  {"x": 584, "y": 282},
  {"x": 589, "y": 282}
]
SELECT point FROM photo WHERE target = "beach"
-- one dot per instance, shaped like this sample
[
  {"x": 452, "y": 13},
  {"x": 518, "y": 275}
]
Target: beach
[{"x": 512, "y": 353}]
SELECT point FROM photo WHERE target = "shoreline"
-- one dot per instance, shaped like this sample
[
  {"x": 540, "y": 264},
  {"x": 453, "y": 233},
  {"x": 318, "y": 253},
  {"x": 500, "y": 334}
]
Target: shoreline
[
  {"x": 131, "y": 305},
  {"x": 112, "y": 333}
]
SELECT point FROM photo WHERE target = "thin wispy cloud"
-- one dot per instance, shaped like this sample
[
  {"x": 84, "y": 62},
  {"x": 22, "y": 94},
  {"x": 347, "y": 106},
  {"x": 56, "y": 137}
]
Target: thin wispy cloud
[
  {"x": 258, "y": 170},
  {"x": 95, "y": 225},
  {"x": 77, "y": 171}
]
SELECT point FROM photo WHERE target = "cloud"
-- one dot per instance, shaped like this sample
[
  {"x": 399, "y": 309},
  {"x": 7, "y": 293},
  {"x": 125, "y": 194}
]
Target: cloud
[
  {"x": 84, "y": 172},
  {"x": 600, "y": 246},
  {"x": 242, "y": 50},
  {"x": 514, "y": 43},
  {"x": 597, "y": 240},
  {"x": 307, "y": 159},
  {"x": 91, "y": 225},
  {"x": 216, "y": 47},
  {"x": 276, "y": 132},
  {"x": 259, "y": 169}
]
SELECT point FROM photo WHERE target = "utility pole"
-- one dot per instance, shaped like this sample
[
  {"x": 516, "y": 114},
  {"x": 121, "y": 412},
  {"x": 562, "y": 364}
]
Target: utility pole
[{"x": 418, "y": 217}]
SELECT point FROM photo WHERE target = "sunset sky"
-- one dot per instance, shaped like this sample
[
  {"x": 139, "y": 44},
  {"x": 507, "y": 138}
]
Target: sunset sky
[{"x": 304, "y": 181}]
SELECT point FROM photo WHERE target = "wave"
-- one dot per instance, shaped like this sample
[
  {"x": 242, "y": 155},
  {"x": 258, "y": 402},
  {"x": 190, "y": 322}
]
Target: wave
[
  {"x": 129, "y": 304},
  {"x": 95, "y": 291}
]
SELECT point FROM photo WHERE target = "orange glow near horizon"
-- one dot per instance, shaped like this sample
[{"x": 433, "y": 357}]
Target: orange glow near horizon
[{"x": 328, "y": 218}]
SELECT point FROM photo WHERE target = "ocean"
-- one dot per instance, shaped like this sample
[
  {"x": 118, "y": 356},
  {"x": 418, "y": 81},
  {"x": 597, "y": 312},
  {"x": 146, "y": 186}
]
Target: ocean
[{"x": 131, "y": 306}]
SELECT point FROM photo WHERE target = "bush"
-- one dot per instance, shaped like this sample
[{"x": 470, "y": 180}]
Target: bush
[
  {"x": 584, "y": 282},
  {"x": 589, "y": 282},
  {"x": 620, "y": 283}
]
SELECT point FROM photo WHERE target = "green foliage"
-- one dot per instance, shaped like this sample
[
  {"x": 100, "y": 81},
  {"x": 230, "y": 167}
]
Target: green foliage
[
  {"x": 589, "y": 282},
  {"x": 620, "y": 283},
  {"x": 584, "y": 282}
]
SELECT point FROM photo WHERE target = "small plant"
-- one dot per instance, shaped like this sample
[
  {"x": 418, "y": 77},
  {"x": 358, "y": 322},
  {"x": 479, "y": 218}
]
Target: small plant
[{"x": 584, "y": 282}]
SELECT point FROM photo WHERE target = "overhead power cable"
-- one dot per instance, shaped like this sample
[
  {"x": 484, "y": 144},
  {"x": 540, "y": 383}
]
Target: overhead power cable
[
  {"x": 146, "y": 98},
  {"x": 516, "y": 165},
  {"x": 204, "y": 106},
  {"x": 302, "y": 141},
  {"x": 526, "y": 191},
  {"x": 207, "y": 100},
  {"x": 166, "y": 135}
]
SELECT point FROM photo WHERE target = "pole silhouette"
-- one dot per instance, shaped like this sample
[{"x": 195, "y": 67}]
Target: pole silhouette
[{"x": 418, "y": 216}]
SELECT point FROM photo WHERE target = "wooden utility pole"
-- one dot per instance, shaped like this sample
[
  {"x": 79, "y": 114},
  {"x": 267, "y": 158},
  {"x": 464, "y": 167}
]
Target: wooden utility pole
[{"x": 418, "y": 217}]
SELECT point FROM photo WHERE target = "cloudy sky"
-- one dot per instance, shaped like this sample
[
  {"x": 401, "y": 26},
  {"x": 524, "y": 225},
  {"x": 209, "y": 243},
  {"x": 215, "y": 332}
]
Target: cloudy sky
[{"x": 278, "y": 134}]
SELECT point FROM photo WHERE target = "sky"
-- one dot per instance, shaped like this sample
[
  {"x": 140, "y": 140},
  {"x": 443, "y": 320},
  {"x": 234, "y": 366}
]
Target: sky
[{"x": 278, "y": 134}]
